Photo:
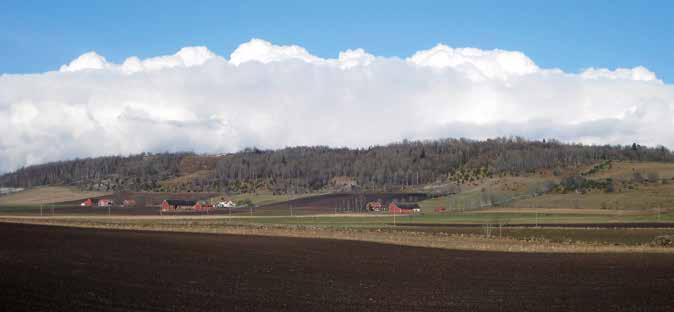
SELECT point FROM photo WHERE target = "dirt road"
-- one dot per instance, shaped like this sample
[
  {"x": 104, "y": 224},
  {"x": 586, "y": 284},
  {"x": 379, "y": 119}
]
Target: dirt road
[{"x": 69, "y": 269}]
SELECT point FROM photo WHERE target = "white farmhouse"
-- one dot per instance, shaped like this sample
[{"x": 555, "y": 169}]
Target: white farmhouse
[{"x": 226, "y": 204}]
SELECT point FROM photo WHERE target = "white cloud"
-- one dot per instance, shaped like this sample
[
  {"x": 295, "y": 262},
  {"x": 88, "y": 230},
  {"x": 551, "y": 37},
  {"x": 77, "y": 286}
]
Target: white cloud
[
  {"x": 272, "y": 96},
  {"x": 477, "y": 64},
  {"x": 186, "y": 57},
  {"x": 638, "y": 73},
  {"x": 89, "y": 60},
  {"x": 264, "y": 52}
]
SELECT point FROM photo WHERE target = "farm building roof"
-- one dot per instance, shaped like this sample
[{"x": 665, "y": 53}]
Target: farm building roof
[
  {"x": 181, "y": 202},
  {"x": 407, "y": 205}
]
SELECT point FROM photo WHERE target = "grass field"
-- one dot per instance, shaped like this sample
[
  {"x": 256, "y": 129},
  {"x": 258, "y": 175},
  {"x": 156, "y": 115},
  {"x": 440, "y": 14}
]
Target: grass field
[
  {"x": 625, "y": 169},
  {"x": 517, "y": 191},
  {"x": 645, "y": 197},
  {"x": 46, "y": 195}
]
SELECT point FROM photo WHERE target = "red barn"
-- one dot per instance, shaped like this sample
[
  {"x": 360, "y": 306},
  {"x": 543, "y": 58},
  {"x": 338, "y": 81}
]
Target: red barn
[
  {"x": 202, "y": 205},
  {"x": 403, "y": 208},
  {"x": 87, "y": 203}
]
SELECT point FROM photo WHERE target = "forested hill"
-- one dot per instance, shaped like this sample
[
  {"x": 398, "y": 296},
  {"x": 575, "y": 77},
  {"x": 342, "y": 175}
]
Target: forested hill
[{"x": 304, "y": 169}]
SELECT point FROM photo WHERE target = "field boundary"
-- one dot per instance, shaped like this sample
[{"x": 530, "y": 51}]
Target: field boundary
[{"x": 399, "y": 237}]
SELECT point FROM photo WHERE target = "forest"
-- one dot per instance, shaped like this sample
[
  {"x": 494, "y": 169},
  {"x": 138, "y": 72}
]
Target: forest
[{"x": 314, "y": 168}]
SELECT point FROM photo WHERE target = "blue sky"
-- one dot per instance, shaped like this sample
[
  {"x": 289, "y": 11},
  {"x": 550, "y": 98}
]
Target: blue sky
[
  {"x": 38, "y": 36},
  {"x": 272, "y": 93}
]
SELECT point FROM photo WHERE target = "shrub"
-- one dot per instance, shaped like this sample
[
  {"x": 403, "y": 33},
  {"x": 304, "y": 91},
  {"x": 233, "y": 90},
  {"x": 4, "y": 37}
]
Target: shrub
[
  {"x": 663, "y": 241},
  {"x": 653, "y": 176},
  {"x": 610, "y": 186}
]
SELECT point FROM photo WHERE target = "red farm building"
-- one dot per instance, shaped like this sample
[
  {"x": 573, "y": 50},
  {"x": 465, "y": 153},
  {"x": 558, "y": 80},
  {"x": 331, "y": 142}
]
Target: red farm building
[
  {"x": 403, "y": 208},
  {"x": 202, "y": 206},
  {"x": 175, "y": 204},
  {"x": 87, "y": 203}
]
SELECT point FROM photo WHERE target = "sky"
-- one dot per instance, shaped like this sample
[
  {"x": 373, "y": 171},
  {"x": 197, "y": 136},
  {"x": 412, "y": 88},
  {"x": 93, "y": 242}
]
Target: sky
[{"x": 97, "y": 78}]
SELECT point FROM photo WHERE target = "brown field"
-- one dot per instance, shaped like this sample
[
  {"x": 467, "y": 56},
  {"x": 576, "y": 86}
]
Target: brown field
[
  {"x": 48, "y": 195},
  {"x": 67, "y": 269},
  {"x": 337, "y": 203}
]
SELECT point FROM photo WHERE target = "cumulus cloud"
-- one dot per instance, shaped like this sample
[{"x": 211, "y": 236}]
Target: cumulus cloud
[
  {"x": 273, "y": 96},
  {"x": 186, "y": 57},
  {"x": 89, "y": 60},
  {"x": 475, "y": 63}
]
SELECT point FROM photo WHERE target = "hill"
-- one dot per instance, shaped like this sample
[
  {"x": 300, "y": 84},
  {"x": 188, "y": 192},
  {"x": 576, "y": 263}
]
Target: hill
[{"x": 402, "y": 166}]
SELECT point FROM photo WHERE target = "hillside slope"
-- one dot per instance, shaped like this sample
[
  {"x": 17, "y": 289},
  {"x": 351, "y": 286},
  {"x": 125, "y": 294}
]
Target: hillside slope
[
  {"x": 394, "y": 167},
  {"x": 618, "y": 186}
]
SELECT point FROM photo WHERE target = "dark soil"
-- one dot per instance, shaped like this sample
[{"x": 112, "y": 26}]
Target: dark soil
[
  {"x": 615, "y": 225},
  {"x": 67, "y": 269},
  {"x": 339, "y": 202}
]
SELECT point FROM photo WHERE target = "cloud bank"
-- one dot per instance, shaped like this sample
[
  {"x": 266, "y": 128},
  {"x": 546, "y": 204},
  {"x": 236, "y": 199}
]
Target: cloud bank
[{"x": 272, "y": 96}]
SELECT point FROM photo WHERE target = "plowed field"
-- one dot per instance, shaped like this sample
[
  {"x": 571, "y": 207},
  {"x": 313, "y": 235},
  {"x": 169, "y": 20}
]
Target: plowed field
[{"x": 68, "y": 269}]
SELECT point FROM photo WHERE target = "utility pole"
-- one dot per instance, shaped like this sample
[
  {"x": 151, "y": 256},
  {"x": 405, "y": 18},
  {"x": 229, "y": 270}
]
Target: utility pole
[
  {"x": 658, "y": 213},
  {"x": 536, "y": 218}
]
